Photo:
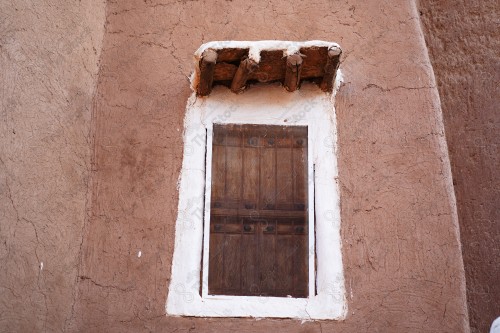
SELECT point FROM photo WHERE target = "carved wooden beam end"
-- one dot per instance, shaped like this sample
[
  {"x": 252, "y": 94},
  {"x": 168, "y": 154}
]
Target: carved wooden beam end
[
  {"x": 207, "y": 67},
  {"x": 247, "y": 66},
  {"x": 332, "y": 64},
  {"x": 293, "y": 70}
]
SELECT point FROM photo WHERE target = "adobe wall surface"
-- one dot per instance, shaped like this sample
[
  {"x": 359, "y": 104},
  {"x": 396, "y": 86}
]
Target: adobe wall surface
[
  {"x": 401, "y": 252},
  {"x": 402, "y": 259},
  {"x": 48, "y": 66},
  {"x": 464, "y": 44}
]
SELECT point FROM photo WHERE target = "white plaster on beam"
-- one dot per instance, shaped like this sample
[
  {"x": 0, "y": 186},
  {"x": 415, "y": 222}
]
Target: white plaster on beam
[{"x": 255, "y": 48}]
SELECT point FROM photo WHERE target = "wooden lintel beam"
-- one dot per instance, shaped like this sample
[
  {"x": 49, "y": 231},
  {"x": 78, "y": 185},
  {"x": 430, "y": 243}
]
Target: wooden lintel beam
[
  {"x": 207, "y": 67},
  {"x": 247, "y": 66},
  {"x": 332, "y": 64},
  {"x": 293, "y": 70}
]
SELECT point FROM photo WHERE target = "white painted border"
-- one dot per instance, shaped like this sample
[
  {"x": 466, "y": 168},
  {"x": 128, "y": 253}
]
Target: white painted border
[
  {"x": 268, "y": 104},
  {"x": 288, "y": 47}
]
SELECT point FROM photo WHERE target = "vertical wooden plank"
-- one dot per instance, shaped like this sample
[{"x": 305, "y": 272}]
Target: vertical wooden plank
[
  {"x": 250, "y": 175},
  {"x": 284, "y": 263},
  {"x": 249, "y": 258},
  {"x": 232, "y": 258},
  {"x": 218, "y": 167},
  {"x": 267, "y": 257},
  {"x": 267, "y": 179},
  {"x": 217, "y": 248},
  {"x": 300, "y": 173},
  {"x": 284, "y": 190},
  {"x": 234, "y": 160},
  {"x": 300, "y": 264},
  {"x": 218, "y": 175}
]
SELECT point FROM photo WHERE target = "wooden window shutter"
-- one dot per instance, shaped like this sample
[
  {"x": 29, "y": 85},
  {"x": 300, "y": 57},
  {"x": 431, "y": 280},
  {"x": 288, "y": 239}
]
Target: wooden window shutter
[{"x": 259, "y": 211}]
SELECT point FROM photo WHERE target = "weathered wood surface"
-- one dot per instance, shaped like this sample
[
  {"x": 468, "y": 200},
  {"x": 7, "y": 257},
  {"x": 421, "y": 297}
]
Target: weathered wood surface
[
  {"x": 293, "y": 71},
  {"x": 233, "y": 69},
  {"x": 332, "y": 64},
  {"x": 207, "y": 67},
  {"x": 246, "y": 67},
  {"x": 258, "y": 218},
  {"x": 231, "y": 55}
]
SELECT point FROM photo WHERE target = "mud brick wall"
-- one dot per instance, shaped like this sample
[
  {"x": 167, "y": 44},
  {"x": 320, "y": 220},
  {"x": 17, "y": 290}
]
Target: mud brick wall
[
  {"x": 89, "y": 174},
  {"x": 464, "y": 43}
]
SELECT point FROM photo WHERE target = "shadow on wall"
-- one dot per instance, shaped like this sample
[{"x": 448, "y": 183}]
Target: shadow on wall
[{"x": 463, "y": 43}]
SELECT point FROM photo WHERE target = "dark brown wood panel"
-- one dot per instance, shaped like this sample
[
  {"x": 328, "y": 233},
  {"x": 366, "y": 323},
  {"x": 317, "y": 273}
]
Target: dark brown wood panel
[
  {"x": 224, "y": 71},
  {"x": 250, "y": 260},
  {"x": 258, "y": 230},
  {"x": 314, "y": 61},
  {"x": 272, "y": 67},
  {"x": 232, "y": 262},
  {"x": 300, "y": 264},
  {"x": 231, "y": 54},
  {"x": 234, "y": 176},
  {"x": 267, "y": 179},
  {"x": 284, "y": 188},
  {"x": 284, "y": 264},
  {"x": 218, "y": 175},
  {"x": 250, "y": 177},
  {"x": 215, "y": 272}
]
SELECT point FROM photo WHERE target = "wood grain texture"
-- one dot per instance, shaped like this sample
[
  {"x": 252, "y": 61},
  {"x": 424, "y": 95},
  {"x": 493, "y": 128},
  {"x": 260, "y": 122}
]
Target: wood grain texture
[
  {"x": 207, "y": 68},
  {"x": 246, "y": 67},
  {"x": 293, "y": 72},
  {"x": 332, "y": 64},
  {"x": 257, "y": 211},
  {"x": 235, "y": 70}
]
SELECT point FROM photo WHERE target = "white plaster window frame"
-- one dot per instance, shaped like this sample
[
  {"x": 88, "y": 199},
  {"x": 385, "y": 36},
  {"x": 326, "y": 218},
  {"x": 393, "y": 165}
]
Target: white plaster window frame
[{"x": 269, "y": 105}]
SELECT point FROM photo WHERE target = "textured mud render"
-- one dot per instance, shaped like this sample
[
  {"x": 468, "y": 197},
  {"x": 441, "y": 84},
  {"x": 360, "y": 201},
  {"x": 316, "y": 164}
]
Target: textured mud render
[
  {"x": 464, "y": 43},
  {"x": 401, "y": 252},
  {"x": 49, "y": 62}
]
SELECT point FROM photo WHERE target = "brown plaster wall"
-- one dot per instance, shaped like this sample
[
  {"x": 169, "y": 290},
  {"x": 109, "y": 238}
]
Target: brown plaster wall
[
  {"x": 49, "y": 55},
  {"x": 401, "y": 250},
  {"x": 464, "y": 44}
]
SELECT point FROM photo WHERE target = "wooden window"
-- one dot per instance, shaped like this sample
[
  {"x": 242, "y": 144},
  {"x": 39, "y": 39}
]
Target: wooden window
[{"x": 258, "y": 242}]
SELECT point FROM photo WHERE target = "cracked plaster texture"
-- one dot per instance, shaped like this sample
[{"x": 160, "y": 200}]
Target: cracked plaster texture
[{"x": 97, "y": 158}]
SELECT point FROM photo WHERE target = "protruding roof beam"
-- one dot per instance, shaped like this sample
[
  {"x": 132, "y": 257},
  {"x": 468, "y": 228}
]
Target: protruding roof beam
[
  {"x": 332, "y": 64},
  {"x": 207, "y": 67},
  {"x": 292, "y": 74},
  {"x": 247, "y": 66}
]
